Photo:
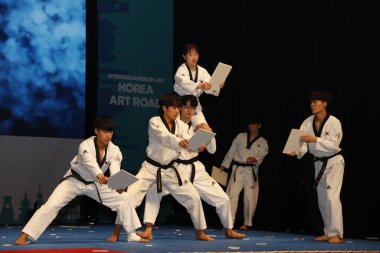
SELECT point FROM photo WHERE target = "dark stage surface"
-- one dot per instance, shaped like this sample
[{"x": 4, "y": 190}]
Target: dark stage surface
[{"x": 175, "y": 239}]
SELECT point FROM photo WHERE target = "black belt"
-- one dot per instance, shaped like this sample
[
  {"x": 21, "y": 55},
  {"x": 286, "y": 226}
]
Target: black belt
[
  {"x": 324, "y": 161},
  {"x": 244, "y": 165},
  {"x": 75, "y": 175},
  {"x": 160, "y": 166},
  {"x": 187, "y": 162}
]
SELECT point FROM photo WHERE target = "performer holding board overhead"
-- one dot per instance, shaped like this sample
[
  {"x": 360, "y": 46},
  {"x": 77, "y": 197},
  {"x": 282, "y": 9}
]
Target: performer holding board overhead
[{"x": 192, "y": 79}]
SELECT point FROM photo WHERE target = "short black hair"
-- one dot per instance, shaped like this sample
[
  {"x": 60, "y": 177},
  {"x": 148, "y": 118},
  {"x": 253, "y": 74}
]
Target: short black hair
[
  {"x": 321, "y": 95},
  {"x": 193, "y": 100},
  {"x": 104, "y": 122},
  {"x": 255, "y": 120},
  {"x": 188, "y": 47},
  {"x": 169, "y": 99}
]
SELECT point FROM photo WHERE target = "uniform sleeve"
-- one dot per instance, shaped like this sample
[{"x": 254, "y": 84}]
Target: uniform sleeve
[
  {"x": 211, "y": 146},
  {"x": 304, "y": 148},
  {"x": 332, "y": 141},
  {"x": 213, "y": 92},
  {"x": 115, "y": 160},
  {"x": 164, "y": 137},
  {"x": 231, "y": 153},
  {"x": 88, "y": 159},
  {"x": 207, "y": 78},
  {"x": 263, "y": 151}
]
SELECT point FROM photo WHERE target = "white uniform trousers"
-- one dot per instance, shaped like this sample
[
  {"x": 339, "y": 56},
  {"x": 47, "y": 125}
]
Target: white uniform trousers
[
  {"x": 66, "y": 191},
  {"x": 209, "y": 190},
  {"x": 152, "y": 204},
  {"x": 186, "y": 194},
  {"x": 244, "y": 180},
  {"x": 329, "y": 203}
]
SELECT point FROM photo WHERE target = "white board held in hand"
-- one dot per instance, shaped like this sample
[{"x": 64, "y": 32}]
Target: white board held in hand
[
  {"x": 220, "y": 75},
  {"x": 219, "y": 176},
  {"x": 121, "y": 180},
  {"x": 200, "y": 137},
  {"x": 293, "y": 144}
]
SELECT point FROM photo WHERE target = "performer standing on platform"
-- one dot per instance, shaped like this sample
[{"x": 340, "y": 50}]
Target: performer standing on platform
[
  {"x": 167, "y": 138},
  {"x": 96, "y": 155},
  {"x": 209, "y": 190},
  {"x": 324, "y": 135},
  {"x": 192, "y": 79},
  {"x": 245, "y": 155}
]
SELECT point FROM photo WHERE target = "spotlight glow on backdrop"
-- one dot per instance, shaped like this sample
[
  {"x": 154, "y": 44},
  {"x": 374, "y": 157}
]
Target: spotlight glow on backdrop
[{"x": 42, "y": 67}]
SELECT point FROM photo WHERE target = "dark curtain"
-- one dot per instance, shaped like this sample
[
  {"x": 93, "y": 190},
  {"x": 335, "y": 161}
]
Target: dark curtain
[{"x": 280, "y": 51}]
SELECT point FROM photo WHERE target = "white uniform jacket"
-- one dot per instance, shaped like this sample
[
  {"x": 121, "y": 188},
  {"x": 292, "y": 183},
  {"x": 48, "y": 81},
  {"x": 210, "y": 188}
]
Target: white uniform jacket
[
  {"x": 327, "y": 144},
  {"x": 185, "y": 86},
  {"x": 163, "y": 145},
  {"x": 86, "y": 165},
  {"x": 187, "y": 154},
  {"x": 239, "y": 152}
]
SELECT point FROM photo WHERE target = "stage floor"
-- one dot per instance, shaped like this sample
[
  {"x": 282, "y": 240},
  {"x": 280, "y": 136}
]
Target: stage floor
[{"x": 174, "y": 239}]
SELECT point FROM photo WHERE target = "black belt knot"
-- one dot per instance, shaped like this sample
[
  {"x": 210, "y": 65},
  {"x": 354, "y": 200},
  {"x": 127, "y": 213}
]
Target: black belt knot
[
  {"x": 324, "y": 161},
  {"x": 187, "y": 162},
  {"x": 238, "y": 164},
  {"x": 160, "y": 166}
]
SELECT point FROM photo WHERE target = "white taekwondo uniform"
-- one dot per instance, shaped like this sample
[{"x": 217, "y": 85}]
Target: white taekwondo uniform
[
  {"x": 81, "y": 179},
  {"x": 209, "y": 190},
  {"x": 186, "y": 84},
  {"x": 330, "y": 184},
  {"x": 244, "y": 175},
  {"x": 164, "y": 148}
]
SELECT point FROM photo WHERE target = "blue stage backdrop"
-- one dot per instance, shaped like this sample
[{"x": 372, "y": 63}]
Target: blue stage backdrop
[
  {"x": 135, "y": 69},
  {"x": 42, "y": 94},
  {"x": 42, "y": 68}
]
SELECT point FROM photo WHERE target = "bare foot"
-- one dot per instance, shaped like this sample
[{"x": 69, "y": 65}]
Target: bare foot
[
  {"x": 335, "y": 239},
  {"x": 115, "y": 234},
  {"x": 22, "y": 239},
  {"x": 203, "y": 237},
  {"x": 244, "y": 227},
  {"x": 322, "y": 238},
  {"x": 113, "y": 238},
  {"x": 230, "y": 234},
  {"x": 133, "y": 237},
  {"x": 145, "y": 235},
  {"x": 143, "y": 240}
]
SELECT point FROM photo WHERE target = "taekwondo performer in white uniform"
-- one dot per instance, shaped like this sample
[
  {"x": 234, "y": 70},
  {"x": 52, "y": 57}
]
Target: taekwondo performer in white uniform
[
  {"x": 192, "y": 79},
  {"x": 209, "y": 190},
  {"x": 324, "y": 134},
  {"x": 167, "y": 138},
  {"x": 245, "y": 155},
  {"x": 96, "y": 155}
]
